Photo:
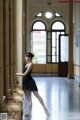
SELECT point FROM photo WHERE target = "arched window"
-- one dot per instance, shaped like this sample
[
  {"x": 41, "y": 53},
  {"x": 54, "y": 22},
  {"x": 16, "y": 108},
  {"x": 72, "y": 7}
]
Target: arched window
[
  {"x": 45, "y": 43},
  {"x": 38, "y": 42},
  {"x": 39, "y": 26},
  {"x": 58, "y": 28}
]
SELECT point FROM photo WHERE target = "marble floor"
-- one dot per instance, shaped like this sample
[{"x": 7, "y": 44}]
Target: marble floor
[{"x": 61, "y": 96}]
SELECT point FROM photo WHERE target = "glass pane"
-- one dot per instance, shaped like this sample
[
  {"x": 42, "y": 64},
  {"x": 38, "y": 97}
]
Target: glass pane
[
  {"x": 53, "y": 51},
  {"x": 39, "y": 26},
  {"x": 48, "y": 15},
  {"x": 64, "y": 48},
  {"x": 53, "y": 59},
  {"x": 57, "y": 14},
  {"x": 57, "y": 58},
  {"x": 62, "y": 32},
  {"x": 39, "y": 47},
  {"x": 57, "y": 47},
  {"x": 58, "y": 33},
  {"x": 40, "y": 14},
  {"x": 58, "y": 26},
  {"x": 53, "y": 39}
]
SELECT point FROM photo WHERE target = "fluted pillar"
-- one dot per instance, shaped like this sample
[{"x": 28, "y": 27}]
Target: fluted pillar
[
  {"x": 11, "y": 42},
  {"x": 7, "y": 67},
  {"x": 1, "y": 55},
  {"x": 24, "y": 2},
  {"x": 70, "y": 64},
  {"x": 19, "y": 42},
  {"x": 14, "y": 41}
]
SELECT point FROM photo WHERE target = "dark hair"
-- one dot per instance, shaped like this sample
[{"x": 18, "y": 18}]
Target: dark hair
[{"x": 29, "y": 54}]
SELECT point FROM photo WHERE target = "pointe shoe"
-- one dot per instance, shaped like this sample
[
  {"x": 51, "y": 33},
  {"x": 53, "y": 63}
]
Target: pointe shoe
[{"x": 46, "y": 111}]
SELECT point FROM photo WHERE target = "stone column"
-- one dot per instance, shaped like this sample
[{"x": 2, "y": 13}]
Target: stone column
[
  {"x": 2, "y": 70},
  {"x": 19, "y": 42},
  {"x": 11, "y": 42},
  {"x": 1, "y": 53},
  {"x": 14, "y": 41},
  {"x": 70, "y": 64},
  {"x": 24, "y": 2},
  {"x": 7, "y": 67}
]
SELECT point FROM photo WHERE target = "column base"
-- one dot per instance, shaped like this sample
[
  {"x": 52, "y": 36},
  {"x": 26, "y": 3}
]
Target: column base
[
  {"x": 3, "y": 108},
  {"x": 70, "y": 76},
  {"x": 13, "y": 91},
  {"x": 18, "y": 86},
  {"x": 9, "y": 96}
]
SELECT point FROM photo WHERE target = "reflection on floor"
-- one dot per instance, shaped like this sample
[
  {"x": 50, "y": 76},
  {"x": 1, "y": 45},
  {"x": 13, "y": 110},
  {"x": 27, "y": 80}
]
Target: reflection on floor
[{"x": 61, "y": 96}]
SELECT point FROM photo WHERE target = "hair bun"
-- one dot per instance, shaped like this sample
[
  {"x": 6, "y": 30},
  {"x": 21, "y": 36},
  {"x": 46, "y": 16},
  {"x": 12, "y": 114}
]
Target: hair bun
[{"x": 29, "y": 54}]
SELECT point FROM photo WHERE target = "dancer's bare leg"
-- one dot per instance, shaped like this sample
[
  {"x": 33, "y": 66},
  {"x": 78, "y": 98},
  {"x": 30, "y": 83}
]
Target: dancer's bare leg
[
  {"x": 29, "y": 100},
  {"x": 41, "y": 101}
]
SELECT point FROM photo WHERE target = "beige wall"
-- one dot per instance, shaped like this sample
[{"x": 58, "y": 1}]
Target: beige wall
[
  {"x": 76, "y": 23},
  {"x": 1, "y": 52},
  {"x": 19, "y": 42}
]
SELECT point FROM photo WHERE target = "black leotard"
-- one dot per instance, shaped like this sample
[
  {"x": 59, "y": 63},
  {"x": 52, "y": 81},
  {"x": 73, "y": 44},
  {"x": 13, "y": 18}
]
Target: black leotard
[{"x": 28, "y": 83}]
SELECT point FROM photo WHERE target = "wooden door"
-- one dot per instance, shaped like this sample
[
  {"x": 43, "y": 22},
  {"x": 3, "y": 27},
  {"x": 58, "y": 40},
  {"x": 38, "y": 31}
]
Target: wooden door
[{"x": 63, "y": 55}]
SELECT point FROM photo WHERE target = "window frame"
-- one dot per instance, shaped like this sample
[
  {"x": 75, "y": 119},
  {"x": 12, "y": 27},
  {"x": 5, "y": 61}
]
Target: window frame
[
  {"x": 39, "y": 30},
  {"x": 47, "y": 38},
  {"x": 57, "y": 30}
]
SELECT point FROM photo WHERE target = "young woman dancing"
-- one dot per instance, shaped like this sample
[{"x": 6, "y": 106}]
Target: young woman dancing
[{"x": 29, "y": 85}]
